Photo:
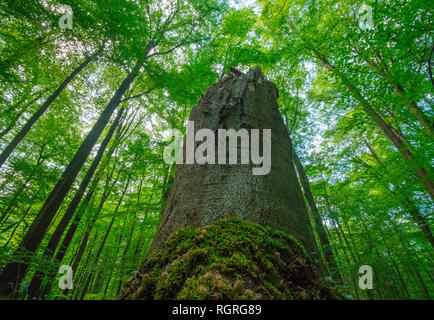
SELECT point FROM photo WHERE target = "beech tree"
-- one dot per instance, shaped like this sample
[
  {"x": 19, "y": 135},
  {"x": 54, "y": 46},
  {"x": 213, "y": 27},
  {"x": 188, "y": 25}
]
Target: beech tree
[{"x": 87, "y": 109}]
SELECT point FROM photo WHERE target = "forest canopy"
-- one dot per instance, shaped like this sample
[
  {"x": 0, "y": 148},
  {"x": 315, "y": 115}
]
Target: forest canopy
[{"x": 90, "y": 92}]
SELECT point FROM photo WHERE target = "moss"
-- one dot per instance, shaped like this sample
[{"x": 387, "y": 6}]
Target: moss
[{"x": 233, "y": 259}]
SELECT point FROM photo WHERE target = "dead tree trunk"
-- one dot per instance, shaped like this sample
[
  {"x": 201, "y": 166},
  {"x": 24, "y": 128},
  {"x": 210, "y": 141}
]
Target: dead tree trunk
[{"x": 204, "y": 194}]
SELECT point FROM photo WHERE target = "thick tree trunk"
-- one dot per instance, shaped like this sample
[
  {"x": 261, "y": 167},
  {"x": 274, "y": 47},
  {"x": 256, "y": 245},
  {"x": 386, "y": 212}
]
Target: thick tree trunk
[
  {"x": 223, "y": 200},
  {"x": 202, "y": 194},
  {"x": 14, "y": 272},
  {"x": 29, "y": 124}
]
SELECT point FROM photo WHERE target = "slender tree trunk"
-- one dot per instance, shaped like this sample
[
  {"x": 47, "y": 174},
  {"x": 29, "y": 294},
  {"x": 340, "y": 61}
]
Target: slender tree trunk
[
  {"x": 94, "y": 218},
  {"x": 19, "y": 192},
  {"x": 103, "y": 242},
  {"x": 12, "y": 203},
  {"x": 349, "y": 264},
  {"x": 416, "y": 274},
  {"x": 408, "y": 203},
  {"x": 84, "y": 270},
  {"x": 325, "y": 243},
  {"x": 206, "y": 195},
  {"x": 395, "y": 266},
  {"x": 423, "y": 172},
  {"x": 398, "y": 140},
  {"x": 73, "y": 228},
  {"x": 36, "y": 282},
  {"x": 401, "y": 92},
  {"x": 29, "y": 124},
  {"x": 127, "y": 246},
  {"x": 421, "y": 221},
  {"x": 14, "y": 272},
  {"x": 20, "y": 113},
  {"x": 108, "y": 280}
]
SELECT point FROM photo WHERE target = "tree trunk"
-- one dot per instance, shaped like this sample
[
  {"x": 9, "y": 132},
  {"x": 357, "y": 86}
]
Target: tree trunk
[
  {"x": 20, "y": 113},
  {"x": 408, "y": 203},
  {"x": 127, "y": 246},
  {"x": 221, "y": 199},
  {"x": 103, "y": 242},
  {"x": 35, "y": 284},
  {"x": 231, "y": 190},
  {"x": 423, "y": 172},
  {"x": 14, "y": 272},
  {"x": 29, "y": 124},
  {"x": 93, "y": 219},
  {"x": 325, "y": 243},
  {"x": 400, "y": 91}
]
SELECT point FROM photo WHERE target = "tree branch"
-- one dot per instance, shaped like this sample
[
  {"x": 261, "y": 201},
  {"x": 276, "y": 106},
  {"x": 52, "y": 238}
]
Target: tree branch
[{"x": 138, "y": 95}]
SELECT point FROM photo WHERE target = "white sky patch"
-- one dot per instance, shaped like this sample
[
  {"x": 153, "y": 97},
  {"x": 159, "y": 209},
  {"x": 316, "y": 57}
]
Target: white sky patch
[{"x": 240, "y": 4}]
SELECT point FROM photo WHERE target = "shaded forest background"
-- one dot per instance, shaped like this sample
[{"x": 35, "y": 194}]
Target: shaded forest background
[{"x": 85, "y": 116}]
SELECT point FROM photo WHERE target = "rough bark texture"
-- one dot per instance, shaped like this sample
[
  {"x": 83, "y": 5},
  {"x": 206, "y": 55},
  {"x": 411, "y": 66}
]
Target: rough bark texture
[{"x": 202, "y": 194}]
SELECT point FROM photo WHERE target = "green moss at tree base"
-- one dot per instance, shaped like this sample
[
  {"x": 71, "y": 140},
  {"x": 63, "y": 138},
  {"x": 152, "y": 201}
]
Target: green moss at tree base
[{"x": 233, "y": 259}]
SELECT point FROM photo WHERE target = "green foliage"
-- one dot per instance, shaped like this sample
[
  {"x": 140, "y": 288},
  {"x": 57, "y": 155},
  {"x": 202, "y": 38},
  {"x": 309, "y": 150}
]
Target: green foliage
[{"x": 329, "y": 72}]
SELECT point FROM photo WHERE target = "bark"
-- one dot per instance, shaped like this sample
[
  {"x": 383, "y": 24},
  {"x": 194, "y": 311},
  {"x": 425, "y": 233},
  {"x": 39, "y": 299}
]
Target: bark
[
  {"x": 14, "y": 272},
  {"x": 203, "y": 194},
  {"x": 29, "y": 124}
]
